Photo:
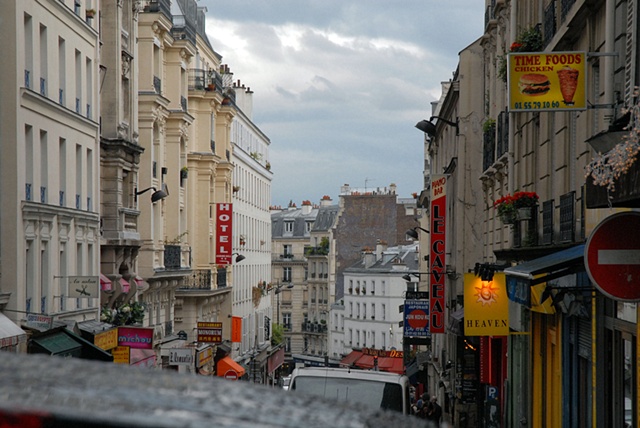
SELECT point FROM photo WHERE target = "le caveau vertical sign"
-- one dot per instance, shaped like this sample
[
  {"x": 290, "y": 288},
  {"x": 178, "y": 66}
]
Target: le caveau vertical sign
[
  {"x": 224, "y": 230},
  {"x": 437, "y": 265}
]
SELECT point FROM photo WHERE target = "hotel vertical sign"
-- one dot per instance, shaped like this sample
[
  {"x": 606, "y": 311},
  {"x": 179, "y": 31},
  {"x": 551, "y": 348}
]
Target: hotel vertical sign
[
  {"x": 437, "y": 253},
  {"x": 224, "y": 229}
]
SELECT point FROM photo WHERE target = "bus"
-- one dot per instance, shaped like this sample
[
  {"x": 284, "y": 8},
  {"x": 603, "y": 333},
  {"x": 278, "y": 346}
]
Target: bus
[{"x": 373, "y": 389}]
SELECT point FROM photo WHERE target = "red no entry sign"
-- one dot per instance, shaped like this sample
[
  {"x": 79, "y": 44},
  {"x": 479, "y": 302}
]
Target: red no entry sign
[{"x": 612, "y": 256}]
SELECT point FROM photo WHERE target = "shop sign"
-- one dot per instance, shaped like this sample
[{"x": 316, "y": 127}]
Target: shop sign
[
  {"x": 135, "y": 337},
  {"x": 224, "y": 230},
  {"x": 84, "y": 286},
  {"x": 205, "y": 356},
  {"x": 382, "y": 353},
  {"x": 41, "y": 322},
  {"x": 106, "y": 340},
  {"x": 554, "y": 81},
  {"x": 210, "y": 332},
  {"x": 437, "y": 253},
  {"x": 121, "y": 355},
  {"x": 486, "y": 306},
  {"x": 236, "y": 329},
  {"x": 416, "y": 318},
  {"x": 181, "y": 357}
]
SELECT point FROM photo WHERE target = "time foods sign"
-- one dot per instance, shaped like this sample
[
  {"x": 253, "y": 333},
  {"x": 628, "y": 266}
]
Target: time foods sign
[{"x": 547, "y": 81}]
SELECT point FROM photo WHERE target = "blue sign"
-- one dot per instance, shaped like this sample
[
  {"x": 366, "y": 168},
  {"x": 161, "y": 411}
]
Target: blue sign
[{"x": 416, "y": 318}]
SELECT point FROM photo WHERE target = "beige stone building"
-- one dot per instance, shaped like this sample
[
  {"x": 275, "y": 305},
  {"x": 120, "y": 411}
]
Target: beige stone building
[{"x": 50, "y": 164}]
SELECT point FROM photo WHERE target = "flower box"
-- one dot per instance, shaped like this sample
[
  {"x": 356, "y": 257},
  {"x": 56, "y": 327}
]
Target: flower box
[{"x": 509, "y": 206}]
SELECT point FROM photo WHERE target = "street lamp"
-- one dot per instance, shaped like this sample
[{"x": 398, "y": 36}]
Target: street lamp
[
  {"x": 413, "y": 233},
  {"x": 429, "y": 128}
]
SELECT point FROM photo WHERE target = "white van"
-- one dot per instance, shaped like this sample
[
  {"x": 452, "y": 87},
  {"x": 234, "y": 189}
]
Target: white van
[{"x": 372, "y": 388}]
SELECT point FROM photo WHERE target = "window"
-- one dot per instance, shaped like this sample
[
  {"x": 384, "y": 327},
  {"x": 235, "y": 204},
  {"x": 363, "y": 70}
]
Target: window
[
  {"x": 287, "y": 251},
  {"x": 288, "y": 227},
  {"x": 286, "y": 321},
  {"x": 286, "y": 274}
]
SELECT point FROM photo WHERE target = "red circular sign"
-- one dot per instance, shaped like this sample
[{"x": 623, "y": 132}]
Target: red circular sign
[
  {"x": 231, "y": 375},
  {"x": 417, "y": 319},
  {"x": 612, "y": 256}
]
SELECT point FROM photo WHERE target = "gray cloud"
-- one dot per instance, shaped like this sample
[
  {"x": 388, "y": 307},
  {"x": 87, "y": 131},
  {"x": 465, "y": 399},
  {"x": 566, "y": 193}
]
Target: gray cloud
[{"x": 338, "y": 86}]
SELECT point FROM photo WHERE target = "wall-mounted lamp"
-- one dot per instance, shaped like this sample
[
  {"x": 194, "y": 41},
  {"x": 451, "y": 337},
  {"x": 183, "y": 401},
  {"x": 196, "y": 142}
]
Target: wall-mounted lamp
[
  {"x": 156, "y": 195},
  {"x": 486, "y": 270},
  {"x": 239, "y": 257},
  {"x": 450, "y": 273},
  {"x": 429, "y": 128},
  {"x": 413, "y": 233}
]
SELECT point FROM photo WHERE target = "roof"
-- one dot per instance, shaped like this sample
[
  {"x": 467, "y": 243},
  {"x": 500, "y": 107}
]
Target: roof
[{"x": 295, "y": 215}]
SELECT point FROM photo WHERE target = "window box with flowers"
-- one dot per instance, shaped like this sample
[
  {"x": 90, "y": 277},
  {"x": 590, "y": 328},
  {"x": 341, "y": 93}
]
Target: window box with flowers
[
  {"x": 518, "y": 206},
  {"x": 529, "y": 40}
]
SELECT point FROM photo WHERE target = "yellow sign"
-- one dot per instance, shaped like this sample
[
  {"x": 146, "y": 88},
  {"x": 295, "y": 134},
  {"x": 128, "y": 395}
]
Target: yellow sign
[
  {"x": 486, "y": 306},
  {"x": 537, "y": 304},
  {"x": 106, "y": 340},
  {"x": 121, "y": 355},
  {"x": 552, "y": 81}
]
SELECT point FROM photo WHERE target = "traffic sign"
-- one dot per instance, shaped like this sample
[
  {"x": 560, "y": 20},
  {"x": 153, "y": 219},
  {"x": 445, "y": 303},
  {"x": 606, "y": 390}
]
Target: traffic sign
[
  {"x": 612, "y": 256},
  {"x": 231, "y": 375}
]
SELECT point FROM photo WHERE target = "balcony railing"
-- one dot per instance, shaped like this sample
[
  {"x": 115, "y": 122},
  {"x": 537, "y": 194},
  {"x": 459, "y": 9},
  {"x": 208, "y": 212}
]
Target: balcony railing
[
  {"x": 183, "y": 103},
  {"x": 489, "y": 146},
  {"x": 567, "y": 217},
  {"x": 565, "y": 7},
  {"x": 157, "y": 84},
  {"x": 550, "y": 22},
  {"x": 200, "y": 79},
  {"x": 200, "y": 279},
  {"x": 221, "y": 278},
  {"x": 503, "y": 134},
  {"x": 162, "y": 6},
  {"x": 183, "y": 29},
  {"x": 172, "y": 255}
]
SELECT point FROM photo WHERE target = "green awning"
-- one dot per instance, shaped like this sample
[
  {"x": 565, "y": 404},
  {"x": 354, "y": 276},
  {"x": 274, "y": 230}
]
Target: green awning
[{"x": 57, "y": 344}]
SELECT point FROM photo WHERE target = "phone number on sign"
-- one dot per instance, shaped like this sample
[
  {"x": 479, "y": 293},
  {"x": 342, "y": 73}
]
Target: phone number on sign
[{"x": 535, "y": 105}]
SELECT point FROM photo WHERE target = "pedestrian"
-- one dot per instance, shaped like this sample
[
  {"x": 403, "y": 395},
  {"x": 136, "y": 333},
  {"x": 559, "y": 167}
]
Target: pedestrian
[{"x": 434, "y": 411}]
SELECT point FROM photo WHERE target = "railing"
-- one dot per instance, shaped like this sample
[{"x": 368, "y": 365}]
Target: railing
[
  {"x": 567, "y": 217},
  {"x": 162, "y": 6},
  {"x": 200, "y": 279},
  {"x": 172, "y": 256},
  {"x": 168, "y": 328},
  {"x": 488, "y": 151},
  {"x": 27, "y": 192},
  {"x": 43, "y": 194},
  {"x": 200, "y": 79},
  {"x": 183, "y": 103},
  {"x": 549, "y": 22},
  {"x": 503, "y": 133},
  {"x": 547, "y": 222},
  {"x": 27, "y": 79},
  {"x": 183, "y": 29},
  {"x": 43, "y": 86},
  {"x": 565, "y": 7},
  {"x": 221, "y": 278}
]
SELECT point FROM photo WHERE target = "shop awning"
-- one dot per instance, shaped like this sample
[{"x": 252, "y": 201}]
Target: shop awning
[
  {"x": 125, "y": 285},
  {"x": 394, "y": 365},
  {"x": 65, "y": 343},
  {"x": 10, "y": 333},
  {"x": 229, "y": 369},
  {"x": 365, "y": 362},
  {"x": 141, "y": 284},
  {"x": 549, "y": 267},
  {"x": 105, "y": 283},
  {"x": 142, "y": 357},
  {"x": 351, "y": 358}
]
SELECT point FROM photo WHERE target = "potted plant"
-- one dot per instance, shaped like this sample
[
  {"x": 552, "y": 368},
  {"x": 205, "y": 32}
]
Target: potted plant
[
  {"x": 516, "y": 207},
  {"x": 184, "y": 172},
  {"x": 90, "y": 13}
]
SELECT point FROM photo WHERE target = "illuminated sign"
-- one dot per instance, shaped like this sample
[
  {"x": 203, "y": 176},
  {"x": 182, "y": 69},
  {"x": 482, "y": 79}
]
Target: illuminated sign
[
  {"x": 135, "y": 337},
  {"x": 486, "y": 306},
  {"x": 224, "y": 230},
  {"x": 210, "y": 332},
  {"x": 553, "y": 81},
  {"x": 437, "y": 253}
]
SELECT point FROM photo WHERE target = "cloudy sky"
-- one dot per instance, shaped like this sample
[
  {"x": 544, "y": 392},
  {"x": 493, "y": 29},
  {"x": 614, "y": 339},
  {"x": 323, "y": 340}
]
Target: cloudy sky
[{"x": 339, "y": 85}]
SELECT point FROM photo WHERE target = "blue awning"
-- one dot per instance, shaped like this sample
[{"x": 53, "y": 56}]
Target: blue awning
[{"x": 549, "y": 267}]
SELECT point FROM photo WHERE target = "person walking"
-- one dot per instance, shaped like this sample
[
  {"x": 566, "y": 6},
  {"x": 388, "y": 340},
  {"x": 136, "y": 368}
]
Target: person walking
[{"x": 434, "y": 411}]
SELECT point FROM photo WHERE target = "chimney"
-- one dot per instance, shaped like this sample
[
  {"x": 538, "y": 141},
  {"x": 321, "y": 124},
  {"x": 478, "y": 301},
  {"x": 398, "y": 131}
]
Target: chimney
[
  {"x": 368, "y": 258},
  {"x": 381, "y": 247},
  {"x": 325, "y": 201},
  {"x": 306, "y": 207}
]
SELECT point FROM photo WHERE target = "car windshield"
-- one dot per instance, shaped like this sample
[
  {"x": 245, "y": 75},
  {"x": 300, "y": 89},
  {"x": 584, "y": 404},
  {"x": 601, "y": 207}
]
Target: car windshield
[{"x": 374, "y": 394}]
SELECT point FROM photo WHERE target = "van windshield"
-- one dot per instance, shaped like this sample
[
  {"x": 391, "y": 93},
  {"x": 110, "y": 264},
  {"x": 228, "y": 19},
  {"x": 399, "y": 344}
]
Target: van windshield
[{"x": 373, "y": 394}]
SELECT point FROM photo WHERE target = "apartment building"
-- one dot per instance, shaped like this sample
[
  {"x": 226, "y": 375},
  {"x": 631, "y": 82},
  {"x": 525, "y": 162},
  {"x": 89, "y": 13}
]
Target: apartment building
[
  {"x": 567, "y": 357},
  {"x": 50, "y": 198}
]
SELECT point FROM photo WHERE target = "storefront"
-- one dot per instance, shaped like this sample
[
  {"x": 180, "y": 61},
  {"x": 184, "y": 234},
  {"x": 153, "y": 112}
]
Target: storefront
[{"x": 61, "y": 342}]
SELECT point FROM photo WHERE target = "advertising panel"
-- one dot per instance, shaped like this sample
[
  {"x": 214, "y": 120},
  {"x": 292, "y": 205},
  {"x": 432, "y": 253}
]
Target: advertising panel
[
  {"x": 224, "y": 230},
  {"x": 416, "y": 318},
  {"x": 84, "y": 286},
  {"x": 135, "y": 337},
  {"x": 554, "y": 81},
  {"x": 121, "y": 355},
  {"x": 181, "y": 357},
  {"x": 486, "y": 306},
  {"x": 210, "y": 332},
  {"x": 437, "y": 253},
  {"x": 106, "y": 340}
]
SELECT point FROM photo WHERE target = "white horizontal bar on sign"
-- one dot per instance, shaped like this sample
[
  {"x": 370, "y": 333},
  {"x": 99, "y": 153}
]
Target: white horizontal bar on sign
[{"x": 619, "y": 257}]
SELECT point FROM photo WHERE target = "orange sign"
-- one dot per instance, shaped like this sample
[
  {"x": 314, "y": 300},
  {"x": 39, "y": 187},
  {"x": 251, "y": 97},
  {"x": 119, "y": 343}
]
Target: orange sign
[
  {"x": 236, "y": 329},
  {"x": 486, "y": 306},
  {"x": 106, "y": 340},
  {"x": 121, "y": 355},
  {"x": 553, "y": 81}
]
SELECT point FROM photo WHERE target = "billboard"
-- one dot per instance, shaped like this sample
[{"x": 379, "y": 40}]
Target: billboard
[
  {"x": 554, "y": 81},
  {"x": 416, "y": 318}
]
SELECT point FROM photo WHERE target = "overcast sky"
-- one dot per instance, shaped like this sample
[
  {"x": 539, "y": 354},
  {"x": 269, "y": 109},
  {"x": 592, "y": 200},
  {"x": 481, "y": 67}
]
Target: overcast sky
[{"x": 339, "y": 85}]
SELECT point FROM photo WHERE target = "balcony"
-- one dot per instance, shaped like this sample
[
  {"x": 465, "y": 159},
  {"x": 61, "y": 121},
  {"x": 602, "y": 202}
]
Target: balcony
[
  {"x": 183, "y": 29},
  {"x": 162, "y": 6},
  {"x": 172, "y": 256},
  {"x": 200, "y": 279},
  {"x": 626, "y": 194},
  {"x": 209, "y": 80}
]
